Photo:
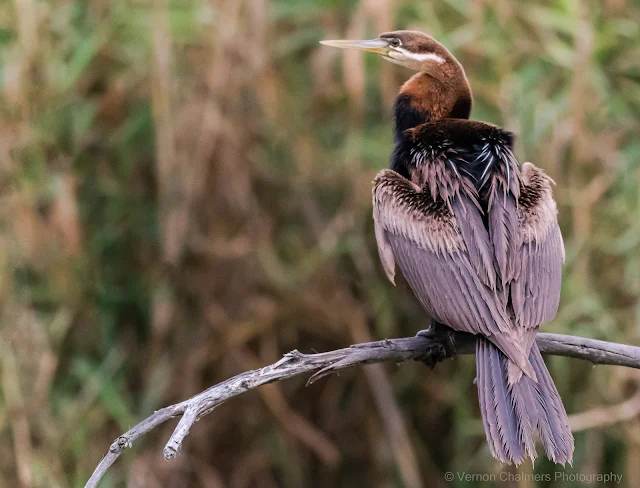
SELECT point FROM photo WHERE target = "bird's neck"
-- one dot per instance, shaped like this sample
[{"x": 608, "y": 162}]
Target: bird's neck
[{"x": 423, "y": 98}]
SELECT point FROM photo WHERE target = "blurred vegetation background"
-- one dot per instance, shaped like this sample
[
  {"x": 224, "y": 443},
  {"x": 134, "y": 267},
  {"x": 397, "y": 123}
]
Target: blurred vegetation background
[{"x": 185, "y": 191}]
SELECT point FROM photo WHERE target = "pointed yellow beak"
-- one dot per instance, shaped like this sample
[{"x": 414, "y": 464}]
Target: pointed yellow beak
[{"x": 378, "y": 46}]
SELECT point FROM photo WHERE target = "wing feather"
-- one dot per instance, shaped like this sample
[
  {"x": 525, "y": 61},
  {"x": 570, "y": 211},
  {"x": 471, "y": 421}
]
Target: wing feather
[
  {"x": 535, "y": 292},
  {"x": 438, "y": 268},
  {"x": 503, "y": 232},
  {"x": 473, "y": 231}
]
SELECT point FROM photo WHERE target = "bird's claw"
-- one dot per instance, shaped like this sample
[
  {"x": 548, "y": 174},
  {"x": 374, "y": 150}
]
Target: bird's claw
[
  {"x": 441, "y": 347},
  {"x": 434, "y": 355}
]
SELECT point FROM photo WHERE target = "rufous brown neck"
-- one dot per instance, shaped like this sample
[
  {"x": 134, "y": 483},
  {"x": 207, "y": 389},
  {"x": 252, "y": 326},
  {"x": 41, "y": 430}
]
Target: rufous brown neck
[{"x": 425, "y": 98}]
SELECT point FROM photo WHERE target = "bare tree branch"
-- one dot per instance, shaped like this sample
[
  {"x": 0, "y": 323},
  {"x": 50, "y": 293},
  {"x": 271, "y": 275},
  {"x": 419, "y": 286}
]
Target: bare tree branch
[{"x": 419, "y": 348}]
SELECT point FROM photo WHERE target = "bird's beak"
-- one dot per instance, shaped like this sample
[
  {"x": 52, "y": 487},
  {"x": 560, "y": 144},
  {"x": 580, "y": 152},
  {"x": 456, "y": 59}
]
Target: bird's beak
[{"x": 378, "y": 46}]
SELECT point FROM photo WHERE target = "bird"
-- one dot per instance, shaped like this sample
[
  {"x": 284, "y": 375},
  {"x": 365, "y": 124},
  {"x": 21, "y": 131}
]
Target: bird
[{"x": 476, "y": 236}]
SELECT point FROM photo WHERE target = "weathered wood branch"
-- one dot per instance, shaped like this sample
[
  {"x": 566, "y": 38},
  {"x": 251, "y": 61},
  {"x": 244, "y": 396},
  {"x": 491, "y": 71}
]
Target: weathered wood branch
[{"x": 419, "y": 348}]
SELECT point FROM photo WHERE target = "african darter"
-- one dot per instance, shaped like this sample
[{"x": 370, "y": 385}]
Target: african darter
[{"x": 476, "y": 236}]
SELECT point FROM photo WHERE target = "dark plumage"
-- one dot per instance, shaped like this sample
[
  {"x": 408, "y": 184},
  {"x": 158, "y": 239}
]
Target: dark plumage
[
  {"x": 406, "y": 115},
  {"x": 476, "y": 236}
]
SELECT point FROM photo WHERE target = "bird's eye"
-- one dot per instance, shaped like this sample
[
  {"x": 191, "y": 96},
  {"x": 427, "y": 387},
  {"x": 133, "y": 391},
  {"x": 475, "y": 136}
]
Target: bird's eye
[{"x": 395, "y": 42}]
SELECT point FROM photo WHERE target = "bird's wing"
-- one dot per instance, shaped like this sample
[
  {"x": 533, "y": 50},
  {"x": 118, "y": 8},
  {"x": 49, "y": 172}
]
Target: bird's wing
[
  {"x": 423, "y": 236},
  {"x": 535, "y": 290}
]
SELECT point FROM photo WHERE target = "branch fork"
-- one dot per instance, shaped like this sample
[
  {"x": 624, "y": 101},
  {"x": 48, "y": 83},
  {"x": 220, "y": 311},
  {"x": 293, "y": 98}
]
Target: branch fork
[{"x": 428, "y": 349}]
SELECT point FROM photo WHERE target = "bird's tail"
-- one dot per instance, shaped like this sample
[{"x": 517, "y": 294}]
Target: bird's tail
[{"x": 512, "y": 414}]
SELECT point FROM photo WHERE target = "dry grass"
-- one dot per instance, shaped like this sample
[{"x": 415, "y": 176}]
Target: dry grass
[{"x": 185, "y": 194}]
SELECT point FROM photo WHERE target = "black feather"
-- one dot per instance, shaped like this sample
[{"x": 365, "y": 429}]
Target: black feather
[{"x": 407, "y": 116}]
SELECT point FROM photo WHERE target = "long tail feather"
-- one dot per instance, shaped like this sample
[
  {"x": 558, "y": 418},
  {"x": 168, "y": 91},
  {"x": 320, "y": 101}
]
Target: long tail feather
[{"x": 512, "y": 414}]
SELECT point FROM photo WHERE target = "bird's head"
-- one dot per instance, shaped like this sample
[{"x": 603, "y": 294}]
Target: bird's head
[
  {"x": 411, "y": 49},
  {"x": 439, "y": 90}
]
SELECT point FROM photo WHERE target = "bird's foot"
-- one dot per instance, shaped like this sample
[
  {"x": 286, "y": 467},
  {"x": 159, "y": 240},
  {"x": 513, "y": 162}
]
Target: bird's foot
[
  {"x": 441, "y": 346},
  {"x": 436, "y": 353}
]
